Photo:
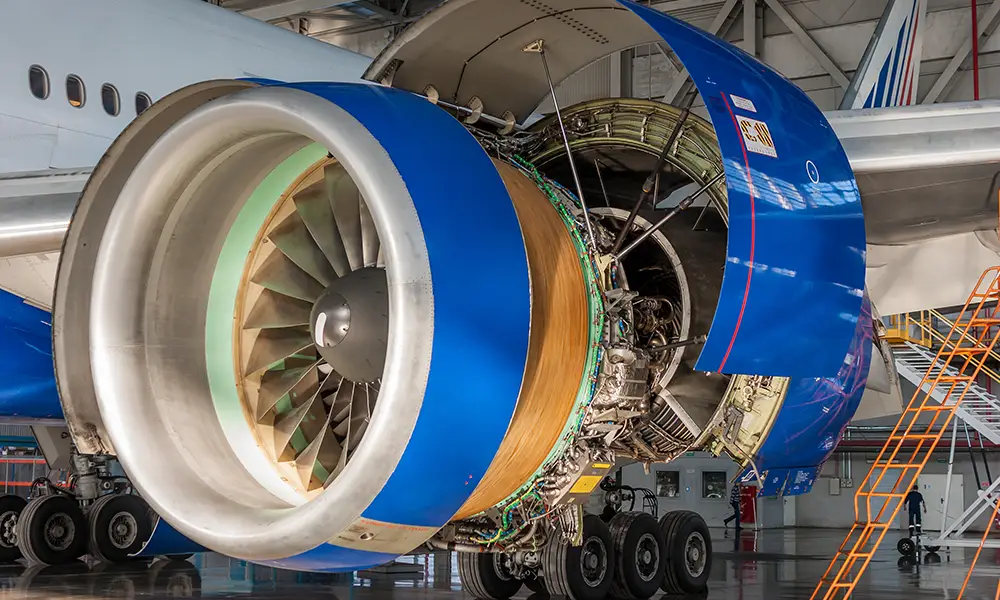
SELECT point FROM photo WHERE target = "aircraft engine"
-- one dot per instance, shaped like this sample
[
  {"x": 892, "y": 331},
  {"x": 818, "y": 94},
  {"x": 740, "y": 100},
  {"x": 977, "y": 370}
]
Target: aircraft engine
[{"x": 322, "y": 325}]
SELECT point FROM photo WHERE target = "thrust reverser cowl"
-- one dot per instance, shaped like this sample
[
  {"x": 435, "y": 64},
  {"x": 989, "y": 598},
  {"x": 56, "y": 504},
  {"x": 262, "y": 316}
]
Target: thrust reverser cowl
[
  {"x": 204, "y": 275},
  {"x": 795, "y": 210}
]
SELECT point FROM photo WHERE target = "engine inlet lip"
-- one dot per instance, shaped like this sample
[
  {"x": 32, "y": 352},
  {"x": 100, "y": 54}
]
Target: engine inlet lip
[{"x": 142, "y": 416}]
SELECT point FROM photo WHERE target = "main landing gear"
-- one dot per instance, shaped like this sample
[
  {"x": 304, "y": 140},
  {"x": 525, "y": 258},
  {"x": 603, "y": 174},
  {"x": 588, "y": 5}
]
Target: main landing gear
[
  {"x": 631, "y": 558},
  {"x": 95, "y": 514}
]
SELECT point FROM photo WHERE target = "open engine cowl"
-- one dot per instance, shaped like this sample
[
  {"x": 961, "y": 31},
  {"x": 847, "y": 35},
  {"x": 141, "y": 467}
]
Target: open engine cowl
[{"x": 188, "y": 235}]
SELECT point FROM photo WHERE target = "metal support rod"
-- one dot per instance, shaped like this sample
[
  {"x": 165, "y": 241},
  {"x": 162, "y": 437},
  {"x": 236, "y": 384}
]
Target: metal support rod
[
  {"x": 466, "y": 110},
  {"x": 650, "y": 184},
  {"x": 597, "y": 165},
  {"x": 986, "y": 462},
  {"x": 951, "y": 469},
  {"x": 681, "y": 343},
  {"x": 683, "y": 205},
  {"x": 972, "y": 457},
  {"x": 975, "y": 52},
  {"x": 539, "y": 47}
]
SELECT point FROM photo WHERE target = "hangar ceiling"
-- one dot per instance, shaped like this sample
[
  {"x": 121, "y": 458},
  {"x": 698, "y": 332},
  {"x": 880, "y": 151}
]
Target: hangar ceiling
[{"x": 815, "y": 43}]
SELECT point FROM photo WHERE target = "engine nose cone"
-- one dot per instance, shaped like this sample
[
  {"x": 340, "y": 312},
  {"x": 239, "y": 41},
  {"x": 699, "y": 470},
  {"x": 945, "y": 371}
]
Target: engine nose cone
[{"x": 350, "y": 324}]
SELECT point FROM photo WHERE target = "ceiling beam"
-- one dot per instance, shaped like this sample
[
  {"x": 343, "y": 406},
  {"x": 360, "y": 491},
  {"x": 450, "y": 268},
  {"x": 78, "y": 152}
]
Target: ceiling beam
[
  {"x": 291, "y": 8},
  {"x": 810, "y": 44},
  {"x": 956, "y": 61}
]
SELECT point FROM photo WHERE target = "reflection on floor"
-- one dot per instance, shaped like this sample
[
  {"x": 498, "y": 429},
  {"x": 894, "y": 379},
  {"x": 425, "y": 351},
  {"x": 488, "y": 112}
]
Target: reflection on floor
[{"x": 769, "y": 565}]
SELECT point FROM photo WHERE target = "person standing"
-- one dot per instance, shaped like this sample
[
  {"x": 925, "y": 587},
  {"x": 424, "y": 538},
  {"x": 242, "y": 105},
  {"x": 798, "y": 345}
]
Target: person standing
[
  {"x": 914, "y": 500},
  {"x": 734, "y": 501}
]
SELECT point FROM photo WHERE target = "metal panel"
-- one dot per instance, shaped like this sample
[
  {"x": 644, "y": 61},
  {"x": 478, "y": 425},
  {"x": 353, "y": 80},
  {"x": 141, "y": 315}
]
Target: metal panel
[
  {"x": 796, "y": 240},
  {"x": 594, "y": 81}
]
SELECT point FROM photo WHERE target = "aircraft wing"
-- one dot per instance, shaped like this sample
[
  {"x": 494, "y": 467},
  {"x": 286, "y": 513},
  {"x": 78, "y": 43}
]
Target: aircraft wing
[
  {"x": 36, "y": 207},
  {"x": 928, "y": 177}
]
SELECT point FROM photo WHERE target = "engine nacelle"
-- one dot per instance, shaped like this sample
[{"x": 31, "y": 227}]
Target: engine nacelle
[{"x": 322, "y": 325}]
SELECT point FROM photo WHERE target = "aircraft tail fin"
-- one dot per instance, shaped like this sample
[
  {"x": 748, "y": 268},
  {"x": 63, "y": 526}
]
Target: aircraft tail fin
[{"x": 890, "y": 68}]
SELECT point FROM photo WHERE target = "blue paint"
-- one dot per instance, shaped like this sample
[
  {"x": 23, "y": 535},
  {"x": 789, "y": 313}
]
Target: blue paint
[
  {"x": 166, "y": 540},
  {"x": 808, "y": 238},
  {"x": 29, "y": 390},
  {"x": 784, "y": 482},
  {"x": 331, "y": 559},
  {"x": 816, "y": 411}
]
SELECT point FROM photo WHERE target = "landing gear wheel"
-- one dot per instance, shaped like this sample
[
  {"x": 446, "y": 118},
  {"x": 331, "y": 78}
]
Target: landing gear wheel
[
  {"x": 52, "y": 530},
  {"x": 906, "y": 546},
  {"x": 11, "y": 508},
  {"x": 641, "y": 553},
  {"x": 584, "y": 573},
  {"x": 119, "y": 526},
  {"x": 689, "y": 552},
  {"x": 486, "y": 576}
]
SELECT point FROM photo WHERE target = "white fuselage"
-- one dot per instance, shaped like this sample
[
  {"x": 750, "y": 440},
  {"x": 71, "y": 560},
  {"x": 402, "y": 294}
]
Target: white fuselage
[
  {"x": 153, "y": 47},
  {"x": 148, "y": 46}
]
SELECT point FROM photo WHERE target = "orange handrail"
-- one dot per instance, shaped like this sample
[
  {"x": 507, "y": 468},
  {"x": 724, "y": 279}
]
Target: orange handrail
[{"x": 914, "y": 432}]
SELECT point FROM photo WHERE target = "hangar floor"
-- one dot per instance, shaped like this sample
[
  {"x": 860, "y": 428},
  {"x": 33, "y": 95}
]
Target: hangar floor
[{"x": 769, "y": 565}]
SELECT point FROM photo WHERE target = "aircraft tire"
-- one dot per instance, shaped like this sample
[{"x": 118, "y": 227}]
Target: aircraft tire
[
  {"x": 11, "y": 508},
  {"x": 119, "y": 526},
  {"x": 640, "y": 551},
  {"x": 52, "y": 530},
  {"x": 906, "y": 546},
  {"x": 585, "y": 572},
  {"x": 483, "y": 576},
  {"x": 689, "y": 552}
]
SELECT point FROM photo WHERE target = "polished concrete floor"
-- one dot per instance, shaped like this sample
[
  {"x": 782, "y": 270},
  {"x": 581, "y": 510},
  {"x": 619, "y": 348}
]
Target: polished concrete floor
[{"x": 770, "y": 565}]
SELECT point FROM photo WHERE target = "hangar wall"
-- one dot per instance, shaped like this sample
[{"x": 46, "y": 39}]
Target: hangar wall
[{"x": 821, "y": 508}]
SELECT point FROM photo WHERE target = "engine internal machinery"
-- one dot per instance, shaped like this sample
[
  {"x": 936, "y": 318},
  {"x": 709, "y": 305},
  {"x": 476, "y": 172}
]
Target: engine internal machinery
[{"x": 327, "y": 324}]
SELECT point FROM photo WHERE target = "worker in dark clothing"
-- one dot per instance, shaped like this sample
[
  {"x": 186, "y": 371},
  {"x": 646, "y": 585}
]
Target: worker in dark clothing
[
  {"x": 914, "y": 500},
  {"x": 734, "y": 501}
]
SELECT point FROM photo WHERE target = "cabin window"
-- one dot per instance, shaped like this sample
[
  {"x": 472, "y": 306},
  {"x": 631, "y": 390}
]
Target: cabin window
[
  {"x": 713, "y": 485},
  {"x": 76, "y": 93},
  {"x": 38, "y": 81},
  {"x": 668, "y": 484},
  {"x": 142, "y": 102},
  {"x": 110, "y": 99}
]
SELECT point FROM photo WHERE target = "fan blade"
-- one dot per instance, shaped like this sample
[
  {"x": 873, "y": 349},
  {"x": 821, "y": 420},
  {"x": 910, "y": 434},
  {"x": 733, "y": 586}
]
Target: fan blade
[
  {"x": 281, "y": 275},
  {"x": 380, "y": 261},
  {"x": 305, "y": 462},
  {"x": 361, "y": 415},
  {"x": 294, "y": 240},
  {"x": 273, "y": 310},
  {"x": 286, "y": 424},
  {"x": 316, "y": 212},
  {"x": 369, "y": 236},
  {"x": 341, "y": 408},
  {"x": 273, "y": 345},
  {"x": 274, "y": 385},
  {"x": 346, "y": 202}
]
